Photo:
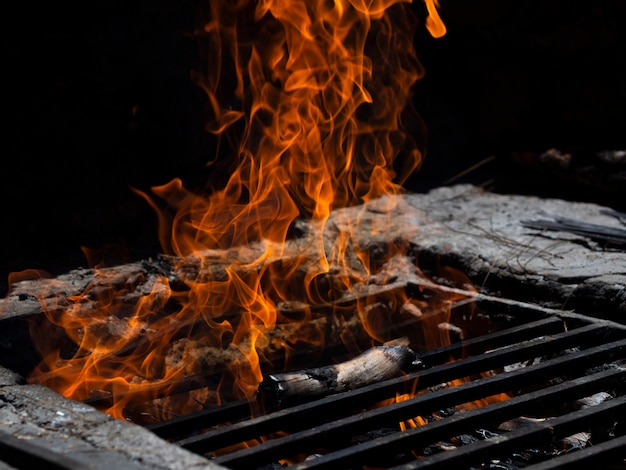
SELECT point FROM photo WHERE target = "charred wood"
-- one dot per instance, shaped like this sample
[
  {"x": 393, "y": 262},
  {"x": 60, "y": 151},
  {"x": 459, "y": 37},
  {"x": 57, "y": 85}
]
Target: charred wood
[{"x": 374, "y": 365}]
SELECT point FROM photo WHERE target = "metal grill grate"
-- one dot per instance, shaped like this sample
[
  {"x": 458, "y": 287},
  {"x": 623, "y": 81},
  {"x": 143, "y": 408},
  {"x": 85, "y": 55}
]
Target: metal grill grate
[
  {"x": 23, "y": 454},
  {"x": 543, "y": 366}
]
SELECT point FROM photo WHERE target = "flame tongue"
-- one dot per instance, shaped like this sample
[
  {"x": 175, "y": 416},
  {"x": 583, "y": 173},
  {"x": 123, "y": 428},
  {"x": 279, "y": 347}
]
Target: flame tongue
[
  {"x": 311, "y": 95},
  {"x": 322, "y": 120}
]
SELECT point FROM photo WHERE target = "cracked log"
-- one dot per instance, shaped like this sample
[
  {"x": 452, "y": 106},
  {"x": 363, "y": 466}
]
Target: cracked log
[
  {"x": 479, "y": 233},
  {"x": 43, "y": 429}
]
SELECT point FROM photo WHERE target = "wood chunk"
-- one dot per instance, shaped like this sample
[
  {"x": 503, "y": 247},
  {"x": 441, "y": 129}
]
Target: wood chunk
[
  {"x": 481, "y": 234},
  {"x": 68, "y": 431},
  {"x": 593, "y": 400},
  {"x": 374, "y": 365}
]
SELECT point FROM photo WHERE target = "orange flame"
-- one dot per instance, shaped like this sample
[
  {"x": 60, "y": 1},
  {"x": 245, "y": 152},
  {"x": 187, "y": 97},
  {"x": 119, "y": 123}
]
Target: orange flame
[
  {"x": 435, "y": 26},
  {"x": 312, "y": 96}
]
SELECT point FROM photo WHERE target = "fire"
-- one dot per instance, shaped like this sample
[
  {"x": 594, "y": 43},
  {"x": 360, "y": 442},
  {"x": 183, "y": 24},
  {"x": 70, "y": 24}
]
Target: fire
[
  {"x": 435, "y": 26},
  {"x": 313, "y": 99},
  {"x": 413, "y": 422}
]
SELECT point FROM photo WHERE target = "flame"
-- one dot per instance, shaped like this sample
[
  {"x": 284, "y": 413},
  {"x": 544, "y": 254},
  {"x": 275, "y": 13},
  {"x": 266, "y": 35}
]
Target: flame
[
  {"x": 435, "y": 26},
  {"x": 312, "y": 97},
  {"x": 411, "y": 422}
]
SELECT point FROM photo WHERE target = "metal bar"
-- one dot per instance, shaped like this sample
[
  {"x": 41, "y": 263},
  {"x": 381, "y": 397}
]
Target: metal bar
[
  {"x": 607, "y": 451},
  {"x": 521, "y": 439},
  {"x": 313, "y": 413},
  {"x": 598, "y": 319},
  {"x": 232, "y": 412},
  {"x": 20, "y": 453},
  {"x": 181, "y": 425},
  {"x": 480, "y": 344},
  {"x": 464, "y": 422},
  {"x": 395, "y": 413}
]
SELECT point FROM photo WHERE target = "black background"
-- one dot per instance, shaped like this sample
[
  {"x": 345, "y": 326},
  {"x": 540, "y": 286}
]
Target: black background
[{"x": 97, "y": 99}]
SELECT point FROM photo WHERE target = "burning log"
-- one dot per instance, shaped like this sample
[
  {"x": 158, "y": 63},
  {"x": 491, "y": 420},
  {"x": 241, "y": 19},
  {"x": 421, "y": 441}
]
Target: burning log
[
  {"x": 378, "y": 280},
  {"x": 374, "y": 365}
]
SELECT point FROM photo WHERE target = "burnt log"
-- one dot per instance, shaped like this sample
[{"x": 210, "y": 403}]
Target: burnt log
[
  {"x": 388, "y": 243},
  {"x": 372, "y": 366},
  {"x": 482, "y": 234},
  {"x": 41, "y": 428}
]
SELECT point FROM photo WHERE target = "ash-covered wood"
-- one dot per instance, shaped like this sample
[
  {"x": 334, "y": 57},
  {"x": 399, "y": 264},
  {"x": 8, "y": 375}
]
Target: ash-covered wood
[
  {"x": 480, "y": 233},
  {"x": 388, "y": 244},
  {"x": 73, "y": 435},
  {"x": 372, "y": 366}
]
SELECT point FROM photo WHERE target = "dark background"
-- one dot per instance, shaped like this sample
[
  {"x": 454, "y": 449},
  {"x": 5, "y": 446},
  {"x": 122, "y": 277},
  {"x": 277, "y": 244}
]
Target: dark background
[{"x": 98, "y": 99}]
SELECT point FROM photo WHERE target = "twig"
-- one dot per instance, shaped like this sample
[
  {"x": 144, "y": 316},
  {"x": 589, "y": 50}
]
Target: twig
[{"x": 469, "y": 170}]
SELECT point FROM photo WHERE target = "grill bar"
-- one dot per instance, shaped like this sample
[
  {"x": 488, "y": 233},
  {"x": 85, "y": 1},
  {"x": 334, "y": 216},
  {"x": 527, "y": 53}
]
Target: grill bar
[
  {"x": 536, "y": 368},
  {"x": 179, "y": 426},
  {"x": 235, "y": 411},
  {"x": 22, "y": 454},
  {"x": 314, "y": 413},
  {"x": 547, "y": 431},
  {"x": 480, "y": 344},
  {"x": 607, "y": 451},
  {"x": 462, "y": 422},
  {"x": 388, "y": 415}
]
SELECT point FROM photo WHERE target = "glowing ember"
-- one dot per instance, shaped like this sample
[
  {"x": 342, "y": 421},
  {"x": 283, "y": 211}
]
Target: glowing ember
[{"x": 313, "y": 96}]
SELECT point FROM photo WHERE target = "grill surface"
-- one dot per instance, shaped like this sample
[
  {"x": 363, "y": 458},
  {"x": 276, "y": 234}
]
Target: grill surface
[{"x": 543, "y": 365}]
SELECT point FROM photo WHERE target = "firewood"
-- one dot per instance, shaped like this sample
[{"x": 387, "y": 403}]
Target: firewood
[
  {"x": 374, "y": 365},
  {"x": 592, "y": 400}
]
